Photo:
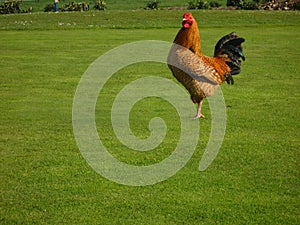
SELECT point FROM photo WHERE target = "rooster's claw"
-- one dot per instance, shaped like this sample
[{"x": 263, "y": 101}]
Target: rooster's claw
[{"x": 199, "y": 116}]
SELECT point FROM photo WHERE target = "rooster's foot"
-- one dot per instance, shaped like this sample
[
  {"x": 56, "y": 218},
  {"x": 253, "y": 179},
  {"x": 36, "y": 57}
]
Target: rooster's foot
[{"x": 199, "y": 116}]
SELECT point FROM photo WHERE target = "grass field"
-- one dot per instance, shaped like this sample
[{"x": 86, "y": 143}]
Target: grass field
[{"x": 44, "y": 178}]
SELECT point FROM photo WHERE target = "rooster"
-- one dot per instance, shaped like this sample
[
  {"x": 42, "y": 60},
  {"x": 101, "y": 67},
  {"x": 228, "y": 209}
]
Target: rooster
[{"x": 201, "y": 75}]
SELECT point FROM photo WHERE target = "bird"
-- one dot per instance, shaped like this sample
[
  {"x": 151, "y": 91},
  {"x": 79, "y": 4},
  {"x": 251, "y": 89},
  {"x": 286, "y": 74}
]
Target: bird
[{"x": 201, "y": 75}]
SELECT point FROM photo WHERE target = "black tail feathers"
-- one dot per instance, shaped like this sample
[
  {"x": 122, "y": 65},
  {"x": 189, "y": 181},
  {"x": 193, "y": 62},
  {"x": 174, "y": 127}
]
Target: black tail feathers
[{"x": 231, "y": 45}]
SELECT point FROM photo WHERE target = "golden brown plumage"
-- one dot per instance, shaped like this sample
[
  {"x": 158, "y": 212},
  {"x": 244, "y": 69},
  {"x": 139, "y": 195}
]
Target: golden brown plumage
[{"x": 201, "y": 75}]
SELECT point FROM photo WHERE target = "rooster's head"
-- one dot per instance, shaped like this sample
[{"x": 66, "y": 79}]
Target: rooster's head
[{"x": 187, "y": 20}]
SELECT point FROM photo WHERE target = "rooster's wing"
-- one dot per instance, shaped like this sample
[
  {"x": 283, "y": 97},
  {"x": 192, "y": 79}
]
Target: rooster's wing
[{"x": 194, "y": 72}]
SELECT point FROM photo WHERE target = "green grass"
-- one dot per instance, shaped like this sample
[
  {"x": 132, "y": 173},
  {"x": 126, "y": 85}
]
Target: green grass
[
  {"x": 44, "y": 178},
  {"x": 155, "y": 19}
]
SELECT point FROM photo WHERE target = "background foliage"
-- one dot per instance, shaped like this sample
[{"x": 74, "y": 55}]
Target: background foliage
[{"x": 14, "y": 6}]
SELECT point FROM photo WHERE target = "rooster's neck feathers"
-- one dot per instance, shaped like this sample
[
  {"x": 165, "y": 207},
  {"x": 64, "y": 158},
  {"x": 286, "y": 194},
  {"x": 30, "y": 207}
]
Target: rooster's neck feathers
[{"x": 189, "y": 38}]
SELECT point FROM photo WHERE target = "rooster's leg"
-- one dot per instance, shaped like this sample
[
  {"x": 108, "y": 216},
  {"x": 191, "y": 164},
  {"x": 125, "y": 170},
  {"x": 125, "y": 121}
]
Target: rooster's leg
[{"x": 199, "y": 114}]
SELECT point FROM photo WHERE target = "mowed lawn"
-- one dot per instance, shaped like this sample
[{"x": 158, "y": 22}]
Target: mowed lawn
[{"x": 45, "y": 179}]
